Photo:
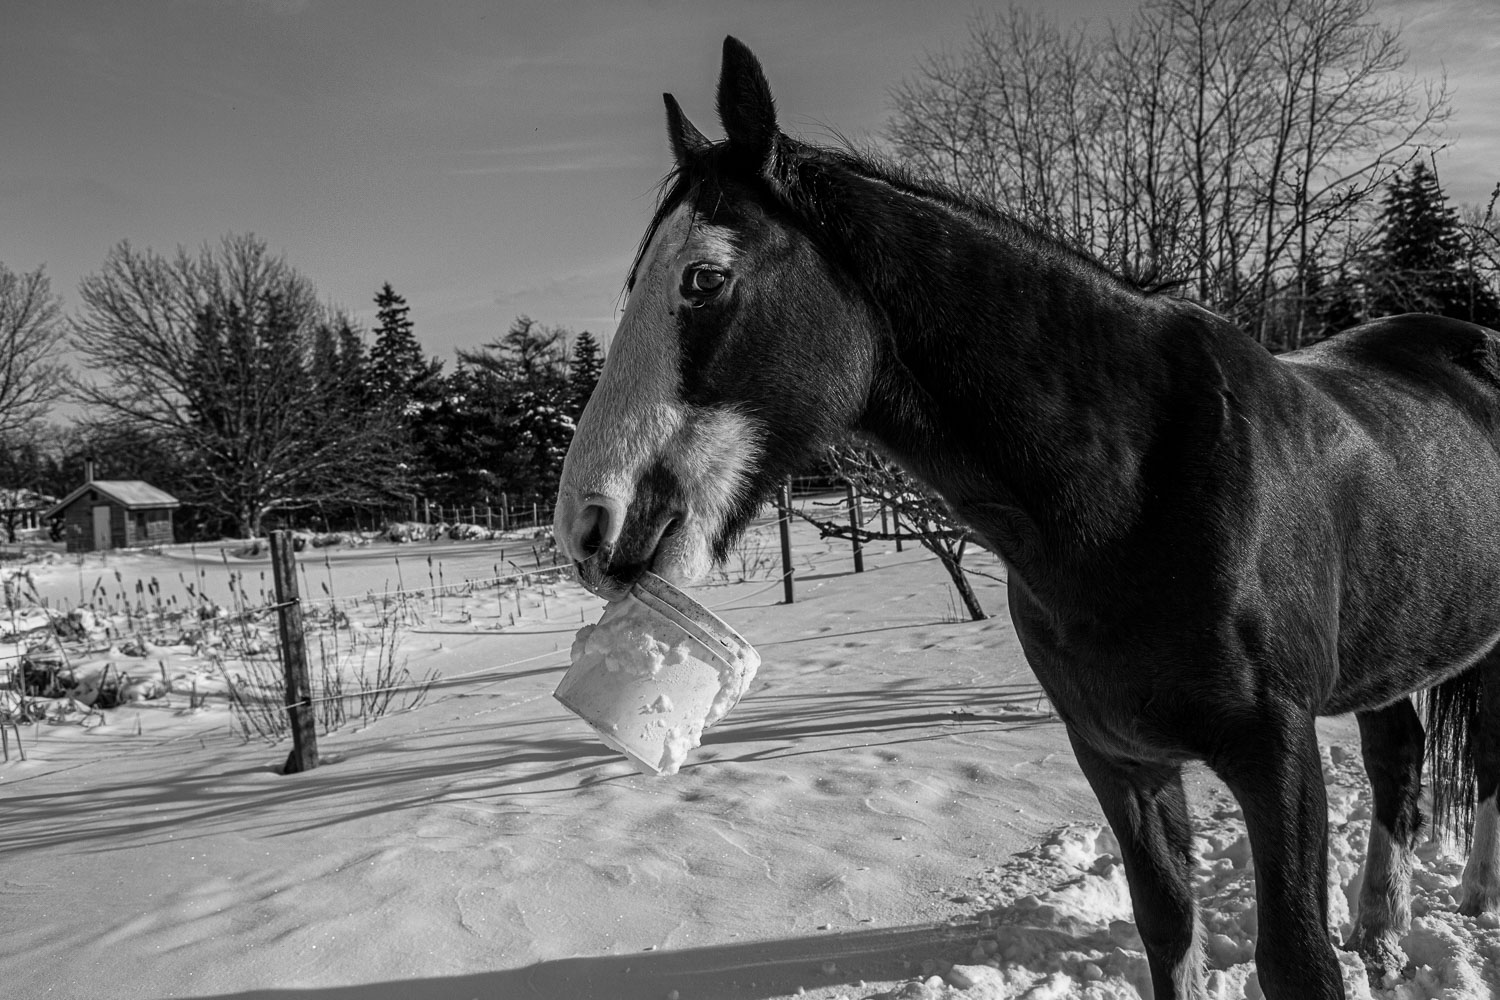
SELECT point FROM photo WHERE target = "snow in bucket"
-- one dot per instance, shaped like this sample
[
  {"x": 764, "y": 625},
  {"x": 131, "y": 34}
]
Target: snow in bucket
[{"x": 654, "y": 672}]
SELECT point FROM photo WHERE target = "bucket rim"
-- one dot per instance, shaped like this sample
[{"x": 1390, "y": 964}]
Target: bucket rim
[{"x": 683, "y": 609}]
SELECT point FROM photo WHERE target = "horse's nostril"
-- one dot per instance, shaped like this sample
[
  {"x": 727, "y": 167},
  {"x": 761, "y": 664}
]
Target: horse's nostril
[
  {"x": 592, "y": 541},
  {"x": 597, "y": 528}
]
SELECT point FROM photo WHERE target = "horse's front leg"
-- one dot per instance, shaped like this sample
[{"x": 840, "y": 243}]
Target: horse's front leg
[
  {"x": 1147, "y": 810},
  {"x": 1270, "y": 762},
  {"x": 1391, "y": 741}
]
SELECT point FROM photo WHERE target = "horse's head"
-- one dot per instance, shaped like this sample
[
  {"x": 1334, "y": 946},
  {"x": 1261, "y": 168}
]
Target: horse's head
[{"x": 739, "y": 354}]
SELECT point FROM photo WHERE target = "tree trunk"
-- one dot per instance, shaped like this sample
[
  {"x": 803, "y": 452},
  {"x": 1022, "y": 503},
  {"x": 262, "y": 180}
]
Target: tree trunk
[{"x": 953, "y": 562}]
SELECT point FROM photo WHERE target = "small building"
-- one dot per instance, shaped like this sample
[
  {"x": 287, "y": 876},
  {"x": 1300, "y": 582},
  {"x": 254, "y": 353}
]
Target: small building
[
  {"x": 22, "y": 510},
  {"x": 115, "y": 514}
]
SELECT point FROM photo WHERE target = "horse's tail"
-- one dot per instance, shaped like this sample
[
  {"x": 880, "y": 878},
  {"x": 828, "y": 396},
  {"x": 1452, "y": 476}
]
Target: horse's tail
[{"x": 1452, "y": 722}]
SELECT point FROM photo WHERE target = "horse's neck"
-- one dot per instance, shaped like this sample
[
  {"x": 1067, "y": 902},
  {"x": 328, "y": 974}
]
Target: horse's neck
[{"x": 1030, "y": 401}]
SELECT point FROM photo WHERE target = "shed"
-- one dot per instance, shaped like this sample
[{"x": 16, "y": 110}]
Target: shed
[{"x": 115, "y": 514}]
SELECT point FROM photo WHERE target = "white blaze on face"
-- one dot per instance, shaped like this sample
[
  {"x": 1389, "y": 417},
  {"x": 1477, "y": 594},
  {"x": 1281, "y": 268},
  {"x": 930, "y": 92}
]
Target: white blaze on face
[{"x": 636, "y": 417}]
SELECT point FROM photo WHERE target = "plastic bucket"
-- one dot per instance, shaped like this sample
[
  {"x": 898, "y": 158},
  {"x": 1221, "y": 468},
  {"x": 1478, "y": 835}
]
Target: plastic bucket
[{"x": 655, "y": 671}]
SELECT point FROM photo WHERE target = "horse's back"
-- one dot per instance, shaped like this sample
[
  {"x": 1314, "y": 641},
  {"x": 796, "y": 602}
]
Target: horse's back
[
  {"x": 1412, "y": 474},
  {"x": 1433, "y": 361}
]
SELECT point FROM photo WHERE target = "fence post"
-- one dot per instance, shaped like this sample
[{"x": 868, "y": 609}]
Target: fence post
[
  {"x": 854, "y": 519},
  {"x": 489, "y": 518},
  {"x": 304, "y": 755},
  {"x": 896, "y": 522},
  {"x": 785, "y": 502},
  {"x": 504, "y": 511},
  {"x": 536, "y": 520}
]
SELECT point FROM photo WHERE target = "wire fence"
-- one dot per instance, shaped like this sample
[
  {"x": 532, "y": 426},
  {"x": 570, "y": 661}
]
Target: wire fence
[{"x": 240, "y": 629}]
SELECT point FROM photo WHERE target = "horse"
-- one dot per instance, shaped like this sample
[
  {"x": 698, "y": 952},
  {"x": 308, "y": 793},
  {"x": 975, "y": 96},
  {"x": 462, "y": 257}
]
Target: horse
[{"x": 1207, "y": 546}]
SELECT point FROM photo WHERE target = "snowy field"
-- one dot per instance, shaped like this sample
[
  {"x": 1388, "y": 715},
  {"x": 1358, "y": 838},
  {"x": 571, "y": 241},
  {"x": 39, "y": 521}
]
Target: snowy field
[{"x": 891, "y": 812}]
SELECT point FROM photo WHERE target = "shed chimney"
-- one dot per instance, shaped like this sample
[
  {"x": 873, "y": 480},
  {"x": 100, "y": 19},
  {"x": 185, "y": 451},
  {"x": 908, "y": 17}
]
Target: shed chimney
[{"x": 88, "y": 470}]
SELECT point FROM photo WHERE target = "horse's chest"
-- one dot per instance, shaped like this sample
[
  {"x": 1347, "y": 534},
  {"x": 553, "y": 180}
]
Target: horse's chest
[
  {"x": 1124, "y": 696},
  {"x": 1116, "y": 715}
]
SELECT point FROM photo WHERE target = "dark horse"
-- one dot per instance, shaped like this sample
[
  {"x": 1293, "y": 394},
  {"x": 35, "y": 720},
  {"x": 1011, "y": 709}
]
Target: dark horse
[{"x": 1207, "y": 546}]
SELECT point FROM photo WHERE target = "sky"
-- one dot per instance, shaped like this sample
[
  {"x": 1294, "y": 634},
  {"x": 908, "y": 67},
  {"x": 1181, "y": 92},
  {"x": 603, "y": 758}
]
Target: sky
[{"x": 486, "y": 159}]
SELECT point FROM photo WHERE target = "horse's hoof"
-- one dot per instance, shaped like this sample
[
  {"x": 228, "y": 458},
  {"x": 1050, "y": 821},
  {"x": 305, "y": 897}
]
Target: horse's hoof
[
  {"x": 1381, "y": 951},
  {"x": 1477, "y": 902}
]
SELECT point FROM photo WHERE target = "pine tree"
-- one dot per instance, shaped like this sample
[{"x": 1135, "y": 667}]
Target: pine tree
[
  {"x": 584, "y": 368},
  {"x": 396, "y": 362},
  {"x": 351, "y": 353},
  {"x": 1419, "y": 262},
  {"x": 525, "y": 383},
  {"x": 337, "y": 366}
]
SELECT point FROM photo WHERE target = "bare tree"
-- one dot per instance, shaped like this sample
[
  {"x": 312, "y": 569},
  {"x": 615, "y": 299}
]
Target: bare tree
[
  {"x": 918, "y": 513},
  {"x": 31, "y": 336},
  {"x": 1480, "y": 226},
  {"x": 1227, "y": 143},
  {"x": 213, "y": 354},
  {"x": 1346, "y": 119}
]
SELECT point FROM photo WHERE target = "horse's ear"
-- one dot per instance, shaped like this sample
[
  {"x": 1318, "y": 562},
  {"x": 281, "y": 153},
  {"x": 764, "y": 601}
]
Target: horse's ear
[
  {"x": 681, "y": 133},
  {"x": 746, "y": 108}
]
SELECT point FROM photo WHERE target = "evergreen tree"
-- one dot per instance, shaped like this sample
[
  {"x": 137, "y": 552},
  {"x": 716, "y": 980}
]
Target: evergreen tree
[
  {"x": 584, "y": 368},
  {"x": 1419, "y": 264},
  {"x": 396, "y": 361},
  {"x": 1331, "y": 302},
  {"x": 462, "y": 438},
  {"x": 337, "y": 365},
  {"x": 521, "y": 388},
  {"x": 351, "y": 351}
]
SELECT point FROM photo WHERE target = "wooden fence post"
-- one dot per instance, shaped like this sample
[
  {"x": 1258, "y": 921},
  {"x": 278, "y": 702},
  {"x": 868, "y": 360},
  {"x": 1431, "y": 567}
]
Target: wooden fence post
[
  {"x": 786, "y": 539},
  {"x": 304, "y": 755},
  {"x": 896, "y": 523},
  {"x": 5, "y": 737},
  {"x": 854, "y": 519}
]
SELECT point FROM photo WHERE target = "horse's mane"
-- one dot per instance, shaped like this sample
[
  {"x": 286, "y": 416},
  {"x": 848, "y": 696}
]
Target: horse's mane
[{"x": 804, "y": 176}]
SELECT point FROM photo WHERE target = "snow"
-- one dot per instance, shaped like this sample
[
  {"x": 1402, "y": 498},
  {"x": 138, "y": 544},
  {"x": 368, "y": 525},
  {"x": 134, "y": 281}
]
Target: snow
[{"x": 891, "y": 811}]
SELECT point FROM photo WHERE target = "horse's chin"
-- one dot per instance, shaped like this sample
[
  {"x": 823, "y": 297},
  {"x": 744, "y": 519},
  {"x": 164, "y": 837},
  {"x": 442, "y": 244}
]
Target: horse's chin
[{"x": 598, "y": 581}]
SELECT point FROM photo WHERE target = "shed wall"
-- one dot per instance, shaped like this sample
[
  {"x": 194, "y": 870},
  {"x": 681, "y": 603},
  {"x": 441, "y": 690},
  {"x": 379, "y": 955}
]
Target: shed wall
[{"x": 151, "y": 526}]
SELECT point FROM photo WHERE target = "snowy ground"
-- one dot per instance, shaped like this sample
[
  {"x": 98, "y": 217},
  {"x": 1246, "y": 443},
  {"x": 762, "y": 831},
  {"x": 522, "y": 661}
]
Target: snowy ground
[{"x": 890, "y": 812}]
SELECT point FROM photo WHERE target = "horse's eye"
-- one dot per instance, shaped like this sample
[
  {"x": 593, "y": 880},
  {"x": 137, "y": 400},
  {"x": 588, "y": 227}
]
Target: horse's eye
[{"x": 703, "y": 282}]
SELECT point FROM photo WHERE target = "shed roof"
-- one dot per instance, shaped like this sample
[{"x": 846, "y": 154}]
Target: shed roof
[{"x": 132, "y": 494}]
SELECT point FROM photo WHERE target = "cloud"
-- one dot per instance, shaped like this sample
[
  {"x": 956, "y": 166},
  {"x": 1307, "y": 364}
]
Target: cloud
[
  {"x": 607, "y": 275},
  {"x": 565, "y": 156},
  {"x": 281, "y": 8}
]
